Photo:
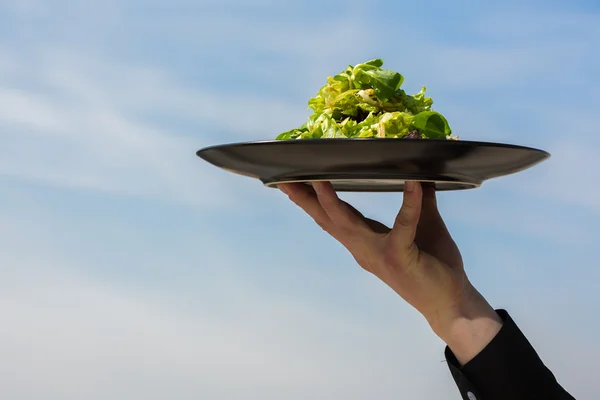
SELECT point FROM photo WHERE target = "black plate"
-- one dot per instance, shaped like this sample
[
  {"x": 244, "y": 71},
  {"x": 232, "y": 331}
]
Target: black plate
[{"x": 373, "y": 165}]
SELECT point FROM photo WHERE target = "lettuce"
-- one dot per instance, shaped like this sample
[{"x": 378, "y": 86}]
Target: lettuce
[{"x": 366, "y": 101}]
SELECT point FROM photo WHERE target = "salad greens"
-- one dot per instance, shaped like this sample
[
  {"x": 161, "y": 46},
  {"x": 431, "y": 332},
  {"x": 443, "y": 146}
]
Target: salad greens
[{"x": 365, "y": 101}]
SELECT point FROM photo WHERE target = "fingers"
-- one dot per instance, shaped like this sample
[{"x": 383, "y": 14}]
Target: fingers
[
  {"x": 305, "y": 198},
  {"x": 345, "y": 218},
  {"x": 429, "y": 195},
  {"x": 431, "y": 223},
  {"x": 375, "y": 226},
  {"x": 405, "y": 225},
  {"x": 429, "y": 208},
  {"x": 332, "y": 214}
]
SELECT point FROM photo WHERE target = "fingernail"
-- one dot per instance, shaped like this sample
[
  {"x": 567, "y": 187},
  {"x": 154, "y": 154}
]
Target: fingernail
[{"x": 409, "y": 186}]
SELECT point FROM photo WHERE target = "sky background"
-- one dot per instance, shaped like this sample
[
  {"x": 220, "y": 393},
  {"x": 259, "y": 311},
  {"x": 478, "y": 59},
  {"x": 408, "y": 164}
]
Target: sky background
[{"x": 130, "y": 269}]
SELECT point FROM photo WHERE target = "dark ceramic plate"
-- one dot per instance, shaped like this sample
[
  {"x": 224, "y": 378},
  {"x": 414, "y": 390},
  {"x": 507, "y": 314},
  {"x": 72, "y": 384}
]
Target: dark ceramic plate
[{"x": 373, "y": 165}]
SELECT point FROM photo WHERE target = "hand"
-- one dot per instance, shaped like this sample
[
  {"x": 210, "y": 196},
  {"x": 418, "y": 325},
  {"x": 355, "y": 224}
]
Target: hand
[{"x": 417, "y": 258}]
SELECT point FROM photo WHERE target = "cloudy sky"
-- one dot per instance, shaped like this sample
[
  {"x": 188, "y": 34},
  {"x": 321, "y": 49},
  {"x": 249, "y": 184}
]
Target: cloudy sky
[{"x": 130, "y": 269}]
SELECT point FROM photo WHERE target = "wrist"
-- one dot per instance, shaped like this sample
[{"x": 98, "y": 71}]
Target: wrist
[{"x": 467, "y": 327}]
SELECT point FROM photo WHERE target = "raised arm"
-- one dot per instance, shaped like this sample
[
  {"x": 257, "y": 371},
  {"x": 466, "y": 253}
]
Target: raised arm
[{"x": 488, "y": 356}]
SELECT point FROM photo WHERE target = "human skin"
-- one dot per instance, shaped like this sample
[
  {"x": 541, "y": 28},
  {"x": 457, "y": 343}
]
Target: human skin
[{"x": 417, "y": 258}]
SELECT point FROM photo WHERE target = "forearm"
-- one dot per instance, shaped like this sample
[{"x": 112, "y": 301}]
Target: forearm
[
  {"x": 490, "y": 357},
  {"x": 468, "y": 327}
]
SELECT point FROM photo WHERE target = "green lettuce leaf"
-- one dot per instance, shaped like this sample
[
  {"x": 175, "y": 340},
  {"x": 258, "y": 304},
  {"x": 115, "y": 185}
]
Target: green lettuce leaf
[
  {"x": 417, "y": 103},
  {"x": 377, "y": 62},
  {"x": 384, "y": 82},
  {"x": 432, "y": 125},
  {"x": 325, "y": 127},
  {"x": 365, "y": 101},
  {"x": 293, "y": 134},
  {"x": 396, "y": 124},
  {"x": 364, "y": 129}
]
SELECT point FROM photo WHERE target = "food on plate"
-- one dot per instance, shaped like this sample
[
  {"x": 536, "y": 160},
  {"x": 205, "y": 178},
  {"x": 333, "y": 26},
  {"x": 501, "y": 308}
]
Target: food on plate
[{"x": 366, "y": 101}]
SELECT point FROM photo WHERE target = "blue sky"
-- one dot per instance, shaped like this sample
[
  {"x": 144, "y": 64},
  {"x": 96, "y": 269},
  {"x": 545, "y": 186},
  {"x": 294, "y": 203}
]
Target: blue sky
[{"x": 131, "y": 270}]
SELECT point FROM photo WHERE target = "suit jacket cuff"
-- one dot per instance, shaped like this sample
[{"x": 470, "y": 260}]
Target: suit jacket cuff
[{"x": 507, "y": 368}]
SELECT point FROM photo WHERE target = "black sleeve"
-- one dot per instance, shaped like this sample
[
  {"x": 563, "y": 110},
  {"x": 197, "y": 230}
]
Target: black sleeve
[{"x": 507, "y": 369}]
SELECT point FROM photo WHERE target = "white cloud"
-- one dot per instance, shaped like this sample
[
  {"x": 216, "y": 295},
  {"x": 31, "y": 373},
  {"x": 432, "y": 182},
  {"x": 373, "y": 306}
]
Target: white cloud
[
  {"x": 70, "y": 334},
  {"x": 83, "y": 133},
  {"x": 101, "y": 150},
  {"x": 77, "y": 339}
]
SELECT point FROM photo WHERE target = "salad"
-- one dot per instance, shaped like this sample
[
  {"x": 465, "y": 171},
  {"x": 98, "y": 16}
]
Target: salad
[{"x": 366, "y": 101}]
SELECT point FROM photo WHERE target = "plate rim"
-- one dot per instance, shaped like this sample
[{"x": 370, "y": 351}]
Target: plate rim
[
  {"x": 468, "y": 185},
  {"x": 475, "y": 143}
]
